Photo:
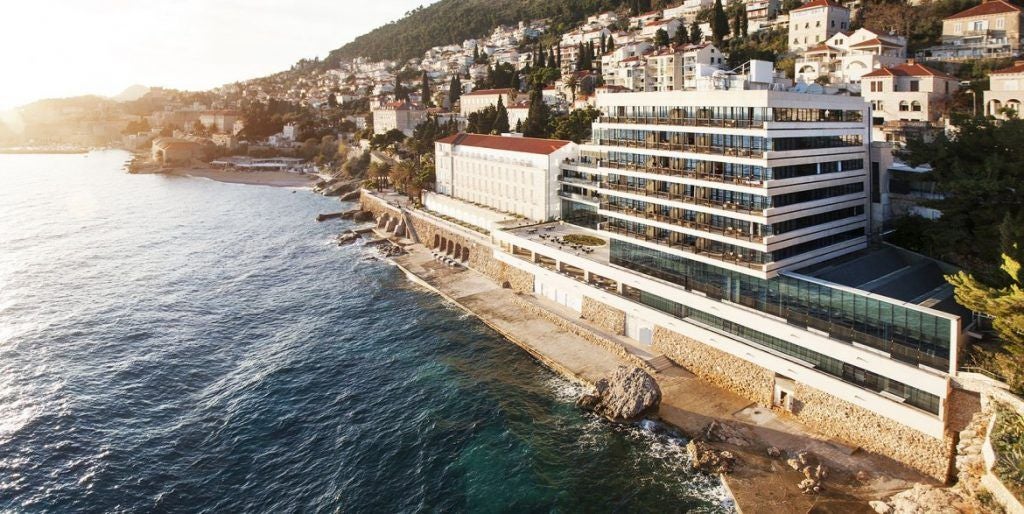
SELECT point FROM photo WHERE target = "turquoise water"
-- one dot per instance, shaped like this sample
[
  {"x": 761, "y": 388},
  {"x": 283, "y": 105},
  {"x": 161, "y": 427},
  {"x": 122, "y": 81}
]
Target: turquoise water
[{"x": 171, "y": 344}]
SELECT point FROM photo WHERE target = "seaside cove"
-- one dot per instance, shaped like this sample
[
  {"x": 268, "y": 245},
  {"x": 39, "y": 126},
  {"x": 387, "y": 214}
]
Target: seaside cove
[{"x": 170, "y": 343}]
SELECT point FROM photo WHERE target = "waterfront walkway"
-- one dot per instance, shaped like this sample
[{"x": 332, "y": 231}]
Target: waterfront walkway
[{"x": 760, "y": 484}]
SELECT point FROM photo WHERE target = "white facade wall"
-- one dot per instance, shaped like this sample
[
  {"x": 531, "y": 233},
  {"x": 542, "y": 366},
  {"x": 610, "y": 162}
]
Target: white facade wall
[{"x": 808, "y": 27}]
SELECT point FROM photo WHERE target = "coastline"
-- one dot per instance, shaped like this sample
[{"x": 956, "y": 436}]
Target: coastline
[
  {"x": 584, "y": 352},
  {"x": 254, "y": 178}
]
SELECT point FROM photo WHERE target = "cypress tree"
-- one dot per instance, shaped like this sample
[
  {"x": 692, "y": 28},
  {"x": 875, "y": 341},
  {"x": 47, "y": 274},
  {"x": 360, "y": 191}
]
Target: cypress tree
[
  {"x": 500, "y": 119},
  {"x": 540, "y": 59},
  {"x": 454, "y": 90},
  {"x": 538, "y": 117},
  {"x": 696, "y": 36},
  {"x": 551, "y": 59},
  {"x": 611, "y": 44},
  {"x": 681, "y": 37},
  {"x": 744, "y": 28},
  {"x": 476, "y": 54},
  {"x": 719, "y": 23},
  {"x": 425, "y": 91}
]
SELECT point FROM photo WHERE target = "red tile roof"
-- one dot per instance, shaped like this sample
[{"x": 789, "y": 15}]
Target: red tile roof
[
  {"x": 505, "y": 91},
  {"x": 820, "y": 47},
  {"x": 511, "y": 144},
  {"x": 986, "y": 8},
  {"x": 1018, "y": 67},
  {"x": 909, "y": 69},
  {"x": 819, "y": 3}
]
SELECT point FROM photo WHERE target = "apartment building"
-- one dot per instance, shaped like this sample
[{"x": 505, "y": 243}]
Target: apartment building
[
  {"x": 844, "y": 58},
  {"x": 483, "y": 98},
  {"x": 816, "y": 21},
  {"x": 403, "y": 116},
  {"x": 735, "y": 227},
  {"x": 760, "y": 13},
  {"x": 988, "y": 30},
  {"x": 675, "y": 68},
  {"x": 1006, "y": 91},
  {"x": 908, "y": 99},
  {"x": 507, "y": 175},
  {"x": 688, "y": 10}
]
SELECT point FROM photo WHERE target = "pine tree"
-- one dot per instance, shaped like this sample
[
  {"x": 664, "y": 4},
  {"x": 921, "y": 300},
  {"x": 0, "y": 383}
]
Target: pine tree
[
  {"x": 696, "y": 36},
  {"x": 501, "y": 119},
  {"x": 611, "y": 44},
  {"x": 519, "y": 126},
  {"x": 661, "y": 38},
  {"x": 681, "y": 37},
  {"x": 454, "y": 90},
  {"x": 551, "y": 59},
  {"x": 425, "y": 91},
  {"x": 719, "y": 23}
]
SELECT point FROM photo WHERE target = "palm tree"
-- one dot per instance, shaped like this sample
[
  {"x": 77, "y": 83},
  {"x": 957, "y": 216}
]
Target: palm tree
[
  {"x": 379, "y": 171},
  {"x": 402, "y": 175},
  {"x": 573, "y": 84}
]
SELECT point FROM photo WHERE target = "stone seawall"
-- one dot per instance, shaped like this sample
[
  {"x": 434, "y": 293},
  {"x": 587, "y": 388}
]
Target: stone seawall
[
  {"x": 583, "y": 332},
  {"x": 435, "y": 233},
  {"x": 830, "y": 416},
  {"x": 604, "y": 316}
]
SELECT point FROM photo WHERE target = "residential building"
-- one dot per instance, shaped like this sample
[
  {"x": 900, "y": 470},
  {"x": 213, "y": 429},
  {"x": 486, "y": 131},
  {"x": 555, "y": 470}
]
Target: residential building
[
  {"x": 908, "y": 99},
  {"x": 669, "y": 25},
  {"x": 403, "y": 116},
  {"x": 481, "y": 99},
  {"x": 1005, "y": 91},
  {"x": 675, "y": 68},
  {"x": 510, "y": 175},
  {"x": 220, "y": 121},
  {"x": 688, "y": 10},
  {"x": 735, "y": 226},
  {"x": 619, "y": 67},
  {"x": 990, "y": 29},
  {"x": 638, "y": 22},
  {"x": 760, "y": 13},
  {"x": 845, "y": 57},
  {"x": 816, "y": 21},
  {"x": 170, "y": 151}
]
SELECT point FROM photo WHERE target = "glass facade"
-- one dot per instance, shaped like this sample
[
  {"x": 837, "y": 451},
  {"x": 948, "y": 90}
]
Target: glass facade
[
  {"x": 580, "y": 214},
  {"x": 821, "y": 362},
  {"x": 905, "y": 334},
  {"x": 722, "y": 116}
]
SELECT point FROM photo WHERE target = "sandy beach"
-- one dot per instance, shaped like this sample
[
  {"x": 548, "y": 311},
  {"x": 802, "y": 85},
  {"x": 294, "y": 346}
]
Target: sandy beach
[{"x": 257, "y": 178}]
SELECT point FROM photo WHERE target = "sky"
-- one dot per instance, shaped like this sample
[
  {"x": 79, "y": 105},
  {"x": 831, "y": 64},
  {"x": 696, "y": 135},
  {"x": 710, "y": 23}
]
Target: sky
[{"x": 51, "y": 48}]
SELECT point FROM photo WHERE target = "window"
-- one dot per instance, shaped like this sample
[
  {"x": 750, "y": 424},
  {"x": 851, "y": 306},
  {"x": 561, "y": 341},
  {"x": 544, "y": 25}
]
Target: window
[
  {"x": 1000, "y": 23},
  {"x": 959, "y": 27},
  {"x": 978, "y": 26},
  {"x": 842, "y": 25},
  {"x": 904, "y": 106},
  {"x": 915, "y": 85},
  {"x": 915, "y": 106}
]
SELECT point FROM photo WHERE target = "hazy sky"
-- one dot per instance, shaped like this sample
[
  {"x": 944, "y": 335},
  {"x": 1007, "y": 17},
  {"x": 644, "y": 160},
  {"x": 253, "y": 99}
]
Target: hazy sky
[{"x": 52, "y": 48}]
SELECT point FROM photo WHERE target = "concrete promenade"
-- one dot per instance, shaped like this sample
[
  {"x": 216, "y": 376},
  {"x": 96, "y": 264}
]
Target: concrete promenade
[{"x": 759, "y": 484}]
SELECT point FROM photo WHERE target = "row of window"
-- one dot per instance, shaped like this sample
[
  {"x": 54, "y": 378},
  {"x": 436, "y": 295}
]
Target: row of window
[
  {"x": 686, "y": 141},
  {"x": 821, "y": 362},
  {"x": 906, "y": 334},
  {"x": 646, "y": 114},
  {"x": 783, "y": 227},
  {"x": 816, "y": 168},
  {"x": 697, "y": 194}
]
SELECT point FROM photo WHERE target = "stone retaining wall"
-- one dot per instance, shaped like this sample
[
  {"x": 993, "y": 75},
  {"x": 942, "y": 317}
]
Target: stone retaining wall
[
  {"x": 580, "y": 331},
  {"x": 481, "y": 253},
  {"x": 719, "y": 368},
  {"x": 828, "y": 415},
  {"x": 604, "y": 316}
]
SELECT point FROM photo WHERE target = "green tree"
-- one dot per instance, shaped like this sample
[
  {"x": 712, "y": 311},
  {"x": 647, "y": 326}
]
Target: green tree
[
  {"x": 681, "y": 37},
  {"x": 719, "y": 23},
  {"x": 573, "y": 83},
  {"x": 696, "y": 36},
  {"x": 661, "y": 38},
  {"x": 1005, "y": 306},
  {"x": 402, "y": 175},
  {"x": 425, "y": 90},
  {"x": 538, "y": 117},
  {"x": 379, "y": 172},
  {"x": 576, "y": 126},
  {"x": 500, "y": 118},
  {"x": 610, "y": 45},
  {"x": 454, "y": 91}
]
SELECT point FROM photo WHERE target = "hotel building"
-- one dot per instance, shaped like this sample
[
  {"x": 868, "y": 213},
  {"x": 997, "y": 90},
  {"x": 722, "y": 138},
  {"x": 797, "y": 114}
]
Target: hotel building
[{"x": 736, "y": 224}]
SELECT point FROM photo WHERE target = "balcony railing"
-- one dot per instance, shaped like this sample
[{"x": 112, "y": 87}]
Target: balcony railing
[
  {"x": 732, "y": 232},
  {"x": 671, "y": 172},
  {"x": 579, "y": 181},
  {"x": 678, "y": 197},
  {"x": 728, "y": 257},
  {"x": 730, "y": 151},
  {"x": 682, "y": 121}
]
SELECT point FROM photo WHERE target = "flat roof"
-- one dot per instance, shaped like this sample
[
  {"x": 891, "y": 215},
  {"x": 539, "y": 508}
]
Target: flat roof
[{"x": 892, "y": 272}]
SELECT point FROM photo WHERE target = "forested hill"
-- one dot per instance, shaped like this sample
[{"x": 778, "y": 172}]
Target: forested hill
[{"x": 453, "y": 21}]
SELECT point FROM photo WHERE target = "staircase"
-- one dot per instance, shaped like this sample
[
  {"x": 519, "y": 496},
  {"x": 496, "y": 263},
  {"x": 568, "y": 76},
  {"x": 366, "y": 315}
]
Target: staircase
[{"x": 660, "y": 363}]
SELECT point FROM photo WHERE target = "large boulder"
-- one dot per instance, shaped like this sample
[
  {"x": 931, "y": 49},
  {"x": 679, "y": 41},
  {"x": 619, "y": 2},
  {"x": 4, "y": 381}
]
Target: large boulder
[{"x": 626, "y": 395}]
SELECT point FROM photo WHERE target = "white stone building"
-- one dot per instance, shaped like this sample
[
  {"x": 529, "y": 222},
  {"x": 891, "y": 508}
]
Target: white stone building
[
  {"x": 511, "y": 175},
  {"x": 908, "y": 99},
  {"x": 844, "y": 58},
  {"x": 816, "y": 21},
  {"x": 482, "y": 98},
  {"x": 402, "y": 116},
  {"x": 1006, "y": 91}
]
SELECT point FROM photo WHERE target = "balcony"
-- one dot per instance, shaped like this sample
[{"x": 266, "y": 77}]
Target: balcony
[
  {"x": 731, "y": 232},
  {"x": 681, "y": 121},
  {"x": 728, "y": 151},
  {"x": 692, "y": 248},
  {"x": 678, "y": 197},
  {"x": 579, "y": 181}
]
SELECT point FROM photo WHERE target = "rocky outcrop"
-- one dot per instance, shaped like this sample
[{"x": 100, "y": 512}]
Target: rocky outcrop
[
  {"x": 925, "y": 499},
  {"x": 813, "y": 470},
  {"x": 626, "y": 395},
  {"x": 705, "y": 459},
  {"x": 347, "y": 237},
  {"x": 362, "y": 216},
  {"x": 729, "y": 433}
]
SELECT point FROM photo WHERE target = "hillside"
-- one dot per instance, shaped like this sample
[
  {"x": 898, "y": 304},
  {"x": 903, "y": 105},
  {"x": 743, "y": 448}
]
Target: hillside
[{"x": 453, "y": 21}]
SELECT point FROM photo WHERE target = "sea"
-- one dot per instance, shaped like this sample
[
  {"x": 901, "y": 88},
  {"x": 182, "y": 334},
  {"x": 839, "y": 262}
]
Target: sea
[{"x": 173, "y": 344}]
